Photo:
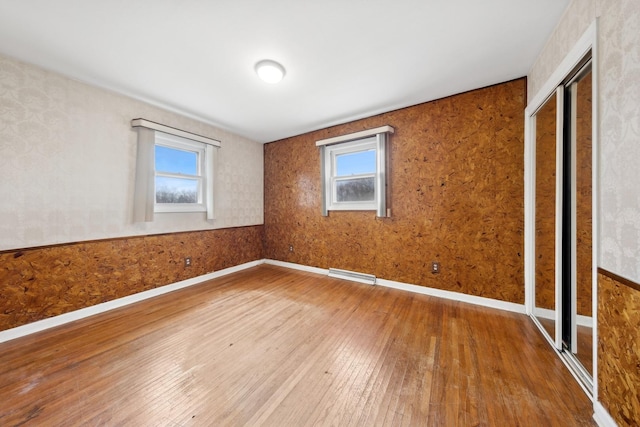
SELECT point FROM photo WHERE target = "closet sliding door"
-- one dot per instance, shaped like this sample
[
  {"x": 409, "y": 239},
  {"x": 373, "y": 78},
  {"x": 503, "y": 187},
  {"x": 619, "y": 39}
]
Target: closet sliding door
[
  {"x": 577, "y": 226},
  {"x": 561, "y": 185},
  {"x": 548, "y": 131}
]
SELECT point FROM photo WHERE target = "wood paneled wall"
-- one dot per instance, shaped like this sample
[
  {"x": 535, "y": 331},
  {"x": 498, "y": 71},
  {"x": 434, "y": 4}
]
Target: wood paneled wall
[
  {"x": 39, "y": 283},
  {"x": 456, "y": 194},
  {"x": 619, "y": 348},
  {"x": 545, "y": 206}
]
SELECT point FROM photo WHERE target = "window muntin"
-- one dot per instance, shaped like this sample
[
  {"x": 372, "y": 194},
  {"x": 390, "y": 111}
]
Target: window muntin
[
  {"x": 144, "y": 200},
  {"x": 351, "y": 181},
  {"x": 178, "y": 174},
  {"x": 377, "y": 137}
]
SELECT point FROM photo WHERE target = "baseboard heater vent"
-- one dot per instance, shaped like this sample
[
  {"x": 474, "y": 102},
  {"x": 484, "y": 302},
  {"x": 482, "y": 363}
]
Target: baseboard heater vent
[{"x": 369, "y": 279}]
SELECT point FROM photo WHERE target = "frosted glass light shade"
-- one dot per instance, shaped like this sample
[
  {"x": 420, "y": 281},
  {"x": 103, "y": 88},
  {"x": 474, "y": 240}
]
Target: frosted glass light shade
[{"x": 270, "y": 71}]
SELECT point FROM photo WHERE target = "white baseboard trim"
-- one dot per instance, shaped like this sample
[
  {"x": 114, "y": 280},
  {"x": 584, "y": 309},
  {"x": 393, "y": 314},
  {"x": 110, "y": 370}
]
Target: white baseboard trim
[
  {"x": 456, "y": 296},
  {"x": 52, "y": 322},
  {"x": 545, "y": 313},
  {"x": 602, "y": 416},
  {"x": 584, "y": 321},
  {"x": 300, "y": 267}
]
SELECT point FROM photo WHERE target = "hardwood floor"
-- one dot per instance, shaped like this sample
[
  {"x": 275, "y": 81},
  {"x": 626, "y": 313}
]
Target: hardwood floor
[
  {"x": 585, "y": 342},
  {"x": 272, "y": 346}
]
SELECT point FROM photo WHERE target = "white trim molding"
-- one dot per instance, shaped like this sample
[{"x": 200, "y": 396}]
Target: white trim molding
[
  {"x": 455, "y": 296},
  {"x": 545, "y": 313},
  {"x": 364, "y": 141},
  {"x": 299, "y": 267},
  {"x": 173, "y": 131},
  {"x": 52, "y": 322},
  {"x": 587, "y": 42},
  {"x": 602, "y": 416},
  {"x": 356, "y": 135},
  {"x": 41, "y": 325},
  {"x": 152, "y": 135}
]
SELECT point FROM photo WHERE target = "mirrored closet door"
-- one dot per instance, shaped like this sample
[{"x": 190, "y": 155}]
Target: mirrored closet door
[
  {"x": 546, "y": 207},
  {"x": 577, "y": 221},
  {"x": 563, "y": 250}
]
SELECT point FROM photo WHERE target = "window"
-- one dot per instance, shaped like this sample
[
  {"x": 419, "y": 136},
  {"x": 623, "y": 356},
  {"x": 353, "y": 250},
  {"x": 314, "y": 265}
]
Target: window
[
  {"x": 174, "y": 171},
  {"x": 352, "y": 175},
  {"x": 354, "y": 171},
  {"x": 179, "y": 169}
]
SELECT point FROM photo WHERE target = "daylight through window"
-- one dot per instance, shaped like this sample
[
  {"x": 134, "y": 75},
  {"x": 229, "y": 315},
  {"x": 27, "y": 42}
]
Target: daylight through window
[
  {"x": 354, "y": 171},
  {"x": 174, "y": 171},
  {"x": 353, "y": 175},
  {"x": 178, "y": 174}
]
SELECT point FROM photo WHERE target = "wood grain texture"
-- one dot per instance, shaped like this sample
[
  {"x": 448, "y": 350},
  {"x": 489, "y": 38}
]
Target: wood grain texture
[
  {"x": 619, "y": 350},
  {"x": 545, "y": 203},
  {"x": 584, "y": 214},
  {"x": 271, "y": 346},
  {"x": 39, "y": 283},
  {"x": 545, "y": 206},
  {"x": 456, "y": 193},
  {"x": 585, "y": 342}
]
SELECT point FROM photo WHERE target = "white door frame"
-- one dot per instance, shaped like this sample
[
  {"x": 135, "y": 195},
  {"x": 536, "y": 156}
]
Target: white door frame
[{"x": 587, "y": 42}]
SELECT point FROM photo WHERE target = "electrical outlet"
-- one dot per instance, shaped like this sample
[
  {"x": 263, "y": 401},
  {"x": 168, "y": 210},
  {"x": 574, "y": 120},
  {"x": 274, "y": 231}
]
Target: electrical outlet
[
  {"x": 187, "y": 261},
  {"x": 290, "y": 248},
  {"x": 435, "y": 267}
]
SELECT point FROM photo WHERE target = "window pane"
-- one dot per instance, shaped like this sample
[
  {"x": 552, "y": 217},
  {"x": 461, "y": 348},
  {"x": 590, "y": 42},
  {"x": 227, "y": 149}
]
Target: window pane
[
  {"x": 356, "y": 190},
  {"x": 176, "y": 161},
  {"x": 356, "y": 163},
  {"x": 176, "y": 190}
]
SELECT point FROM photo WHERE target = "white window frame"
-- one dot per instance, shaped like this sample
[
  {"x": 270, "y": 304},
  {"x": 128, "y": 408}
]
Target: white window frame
[
  {"x": 331, "y": 154},
  {"x": 182, "y": 144},
  {"x": 352, "y": 143},
  {"x": 144, "y": 202}
]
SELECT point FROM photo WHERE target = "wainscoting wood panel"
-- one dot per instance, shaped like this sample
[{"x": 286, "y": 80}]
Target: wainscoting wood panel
[
  {"x": 456, "y": 194},
  {"x": 619, "y": 348},
  {"x": 276, "y": 347},
  {"x": 38, "y": 283}
]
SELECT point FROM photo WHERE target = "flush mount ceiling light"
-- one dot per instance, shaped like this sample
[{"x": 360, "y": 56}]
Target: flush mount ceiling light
[{"x": 270, "y": 71}]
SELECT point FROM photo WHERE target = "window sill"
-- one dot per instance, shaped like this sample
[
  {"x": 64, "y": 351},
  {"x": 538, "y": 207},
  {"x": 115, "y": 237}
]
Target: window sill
[{"x": 180, "y": 208}]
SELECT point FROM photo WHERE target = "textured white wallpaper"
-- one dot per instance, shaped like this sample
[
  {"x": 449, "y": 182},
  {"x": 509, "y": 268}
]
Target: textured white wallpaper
[
  {"x": 619, "y": 110},
  {"x": 67, "y": 163}
]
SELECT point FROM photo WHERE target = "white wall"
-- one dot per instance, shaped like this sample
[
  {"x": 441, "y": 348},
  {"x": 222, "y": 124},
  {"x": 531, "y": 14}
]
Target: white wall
[
  {"x": 619, "y": 121},
  {"x": 67, "y": 163}
]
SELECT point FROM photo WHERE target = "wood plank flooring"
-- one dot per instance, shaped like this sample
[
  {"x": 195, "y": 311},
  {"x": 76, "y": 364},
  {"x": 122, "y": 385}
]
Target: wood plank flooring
[
  {"x": 272, "y": 346},
  {"x": 585, "y": 342}
]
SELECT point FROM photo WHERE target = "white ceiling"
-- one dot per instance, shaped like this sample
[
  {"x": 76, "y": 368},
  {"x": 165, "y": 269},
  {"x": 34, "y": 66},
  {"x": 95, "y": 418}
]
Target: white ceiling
[{"x": 345, "y": 59}]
